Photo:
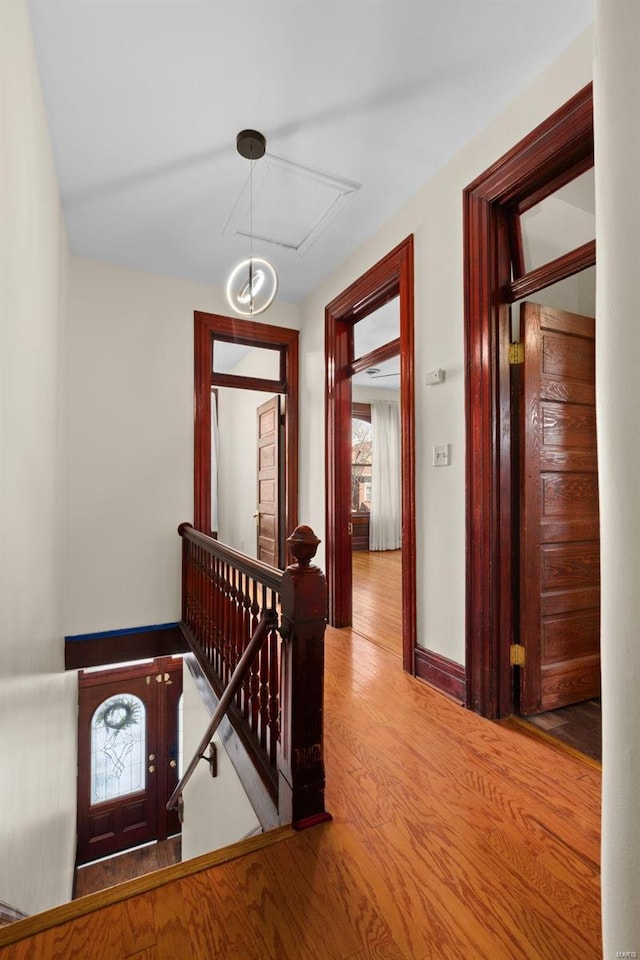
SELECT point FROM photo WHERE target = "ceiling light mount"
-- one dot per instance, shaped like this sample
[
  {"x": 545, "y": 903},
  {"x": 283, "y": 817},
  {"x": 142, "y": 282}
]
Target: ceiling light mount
[
  {"x": 251, "y": 144},
  {"x": 253, "y": 284}
]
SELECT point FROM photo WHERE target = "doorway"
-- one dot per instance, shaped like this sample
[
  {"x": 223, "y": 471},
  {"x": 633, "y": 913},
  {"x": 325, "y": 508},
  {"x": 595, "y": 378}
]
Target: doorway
[
  {"x": 246, "y": 417},
  {"x": 349, "y": 354},
  {"x": 128, "y": 756},
  {"x": 552, "y": 157}
]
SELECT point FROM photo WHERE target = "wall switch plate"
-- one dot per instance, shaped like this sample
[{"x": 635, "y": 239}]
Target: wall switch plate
[{"x": 441, "y": 455}]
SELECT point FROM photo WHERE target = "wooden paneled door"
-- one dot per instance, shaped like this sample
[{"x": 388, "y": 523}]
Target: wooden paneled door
[
  {"x": 268, "y": 463},
  {"x": 560, "y": 543},
  {"x": 127, "y": 756}
]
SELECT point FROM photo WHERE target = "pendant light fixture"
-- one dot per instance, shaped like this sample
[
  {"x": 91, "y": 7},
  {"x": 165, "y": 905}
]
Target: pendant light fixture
[{"x": 253, "y": 283}]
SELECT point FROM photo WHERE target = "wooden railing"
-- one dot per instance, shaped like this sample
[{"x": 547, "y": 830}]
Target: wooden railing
[{"x": 277, "y": 709}]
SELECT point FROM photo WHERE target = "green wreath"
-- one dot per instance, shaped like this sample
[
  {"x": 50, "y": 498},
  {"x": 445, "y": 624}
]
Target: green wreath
[{"x": 119, "y": 714}]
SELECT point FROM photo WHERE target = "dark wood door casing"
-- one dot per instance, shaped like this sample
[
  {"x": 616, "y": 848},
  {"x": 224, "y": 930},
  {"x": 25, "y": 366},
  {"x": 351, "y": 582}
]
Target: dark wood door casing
[
  {"x": 208, "y": 326},
  {"x": 392, "y": 276},
  {"x": 550, "y": 156}
]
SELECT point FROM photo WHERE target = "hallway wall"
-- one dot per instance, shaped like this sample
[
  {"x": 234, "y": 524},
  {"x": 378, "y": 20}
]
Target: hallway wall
[{"x": 37, "y": 700}]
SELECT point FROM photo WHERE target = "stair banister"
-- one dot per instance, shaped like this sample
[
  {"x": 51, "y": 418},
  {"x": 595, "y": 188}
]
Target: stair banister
[{"x": 267, "y": 621}]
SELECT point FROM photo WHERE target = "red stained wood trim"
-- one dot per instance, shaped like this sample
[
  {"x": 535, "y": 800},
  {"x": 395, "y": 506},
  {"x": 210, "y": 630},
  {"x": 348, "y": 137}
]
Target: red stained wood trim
[
  {"x": 550, "y": 187},
  {"x": 391, "y": 276},
  {"x": 517, "y": 245},
  {"x": 361, "y": 411},
  {"x": 248, "y": 332},
  {"x": 559, "y": 269},
  {"x": 94, "y": 652},
  {"x": 560, "y": 144},
  {"x": 247, "y": 383},
  {"x": 386, "y": 352},
  {"x": 447, "y": 675}
]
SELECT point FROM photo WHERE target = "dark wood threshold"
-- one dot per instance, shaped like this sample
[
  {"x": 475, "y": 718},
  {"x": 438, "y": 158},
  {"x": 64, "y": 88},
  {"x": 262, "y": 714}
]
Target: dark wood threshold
[
  {"x": 123, "y": 646},
  {"x": 22, "y": 929},
  {"x": 444, "y": 674},
  {"x": 530, "y": 730}
]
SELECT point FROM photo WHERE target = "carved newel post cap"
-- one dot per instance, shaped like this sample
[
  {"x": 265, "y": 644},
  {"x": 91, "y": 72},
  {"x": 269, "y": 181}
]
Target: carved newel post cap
[{"x": 303, "y": 543}]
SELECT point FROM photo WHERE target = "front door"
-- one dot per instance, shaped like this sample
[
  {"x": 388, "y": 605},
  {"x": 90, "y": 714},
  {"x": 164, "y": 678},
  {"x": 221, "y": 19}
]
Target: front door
[
  {"x": 560, "y": 541},
  {"x": 268, "y": 528},
  {"x": 127, "y": 756}
]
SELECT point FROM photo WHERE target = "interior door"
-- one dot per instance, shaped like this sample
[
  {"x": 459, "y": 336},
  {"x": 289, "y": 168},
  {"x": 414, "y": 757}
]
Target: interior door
[
  {"x": 127, "y": 756},
  {"x": 560, "y": 542},
  {"x": 268, "y": 458}
]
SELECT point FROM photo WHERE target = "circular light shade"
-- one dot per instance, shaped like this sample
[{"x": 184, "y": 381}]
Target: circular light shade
[{"x": 252, "y": 287}]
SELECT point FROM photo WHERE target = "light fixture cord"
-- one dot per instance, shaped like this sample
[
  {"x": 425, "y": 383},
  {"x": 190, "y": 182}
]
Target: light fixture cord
[{"x": 251, "y": 236}]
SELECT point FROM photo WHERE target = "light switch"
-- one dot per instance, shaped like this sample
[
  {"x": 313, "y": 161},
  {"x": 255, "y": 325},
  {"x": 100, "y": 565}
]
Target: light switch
[{"x": 441, "y": 455}]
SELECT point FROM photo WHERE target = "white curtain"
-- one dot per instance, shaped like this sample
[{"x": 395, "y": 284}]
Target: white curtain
[
  {"x": 214, "y": 463},
  {"x": 385, "y": 521}
]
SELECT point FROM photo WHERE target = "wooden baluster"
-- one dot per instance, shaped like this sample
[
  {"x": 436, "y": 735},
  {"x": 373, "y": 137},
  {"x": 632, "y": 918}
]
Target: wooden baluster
[
  {"x": 273, "y": 710},
  {"x": 263, "y": 696},
  {"x": 300, "y": 759},
  {"x": 246, "y": 634},
  {"x": 217, "y": 614}
]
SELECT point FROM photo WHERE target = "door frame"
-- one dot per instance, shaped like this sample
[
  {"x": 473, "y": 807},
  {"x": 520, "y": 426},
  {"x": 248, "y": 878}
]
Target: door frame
[
  {"x": 210, "y": 326},
  {"x": 392, "y": 276},
  {"x": 550, "y": 156}
]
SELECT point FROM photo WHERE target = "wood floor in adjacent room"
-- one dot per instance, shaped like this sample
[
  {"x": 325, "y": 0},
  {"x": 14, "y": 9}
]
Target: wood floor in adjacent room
[
  {"x": 377, "y": 597},
  {"x": 452, "y": 837},
  {"x": 135, "y": 863}
]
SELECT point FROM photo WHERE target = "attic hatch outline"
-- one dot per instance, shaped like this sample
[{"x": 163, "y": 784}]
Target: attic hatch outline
[{"x": 339, "y": 190}]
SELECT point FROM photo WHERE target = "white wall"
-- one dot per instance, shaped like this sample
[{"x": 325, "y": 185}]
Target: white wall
[
  {"x": 616, "y": 85},
  {"x": 434, "y": 216},
  {"x": 216, "y": 811},
  {"x": 129, "y": 423},
  {"x": 37, "y": 701}
]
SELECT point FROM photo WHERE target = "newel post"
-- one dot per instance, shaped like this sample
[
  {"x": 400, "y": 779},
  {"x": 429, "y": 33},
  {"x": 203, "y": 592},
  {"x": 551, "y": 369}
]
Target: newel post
[{"x": 304, "y": 616}]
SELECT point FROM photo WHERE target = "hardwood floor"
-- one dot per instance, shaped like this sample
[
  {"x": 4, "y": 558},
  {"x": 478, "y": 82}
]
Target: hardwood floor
[
  {"x": 377, "y": 597},
  {"x": 452, "y": 837},
  {"x": 579, "y": 726},
  {"x": 126, "y": 866}
]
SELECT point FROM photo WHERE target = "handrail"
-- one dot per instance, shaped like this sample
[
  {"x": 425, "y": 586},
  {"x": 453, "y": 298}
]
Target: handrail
[
  {"x": 269, "y": 576},
  {"x": 268, "y": 620}
]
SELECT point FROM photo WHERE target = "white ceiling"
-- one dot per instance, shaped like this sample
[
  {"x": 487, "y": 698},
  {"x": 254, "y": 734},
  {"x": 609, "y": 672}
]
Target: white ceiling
[{"x": 145, "y": 98}]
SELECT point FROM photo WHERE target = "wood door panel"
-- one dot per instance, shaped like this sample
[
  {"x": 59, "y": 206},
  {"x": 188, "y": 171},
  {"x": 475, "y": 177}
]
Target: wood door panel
[
  {"x": 569, "y": 567},
  {"x": 570, "y": 601},
  {"x": 560, "y": 547},
  {"x": 570, "y": 635},
  {"x": 568, "y": 461},
  {"x": 568, "y": 530},
  {"x": 571, "y": 681},
  {"x": 568, "y": 425},
  {"x": 569, "y": 359},
  {"x": 568, "y": 494}
]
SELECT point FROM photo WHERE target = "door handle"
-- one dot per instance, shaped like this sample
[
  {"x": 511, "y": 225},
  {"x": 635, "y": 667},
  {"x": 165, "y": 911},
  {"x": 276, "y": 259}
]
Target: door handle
[
  {"x": 152, "y": 769},
  {"x": 152, "y": 756},
  {"x": 257, "y": 515},
  {"x": 172, "y": 764}
]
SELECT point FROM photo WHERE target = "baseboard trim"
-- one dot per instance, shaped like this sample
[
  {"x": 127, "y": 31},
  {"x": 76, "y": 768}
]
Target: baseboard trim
[
  {"x": 444, "y": 674},
  {"x": 121, "y": 646}
]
